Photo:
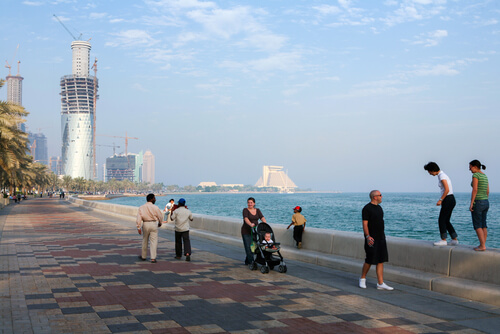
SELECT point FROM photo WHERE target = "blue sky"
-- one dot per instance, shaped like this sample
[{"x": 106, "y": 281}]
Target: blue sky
[{"x": 347, "y": 95}]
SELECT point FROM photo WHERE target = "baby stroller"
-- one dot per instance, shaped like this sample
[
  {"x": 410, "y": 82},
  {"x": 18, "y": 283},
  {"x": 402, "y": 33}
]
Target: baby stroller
[{"x": 265, "y": 253}]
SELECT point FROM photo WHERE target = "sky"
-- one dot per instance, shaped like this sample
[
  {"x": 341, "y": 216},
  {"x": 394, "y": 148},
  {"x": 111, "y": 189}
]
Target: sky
[{"x": 346, "y": 95}]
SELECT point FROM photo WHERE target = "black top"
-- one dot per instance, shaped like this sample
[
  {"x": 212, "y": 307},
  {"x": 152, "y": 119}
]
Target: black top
[
  {"x": 246, "y": 229},
  {"x": 375, "y": 216}
]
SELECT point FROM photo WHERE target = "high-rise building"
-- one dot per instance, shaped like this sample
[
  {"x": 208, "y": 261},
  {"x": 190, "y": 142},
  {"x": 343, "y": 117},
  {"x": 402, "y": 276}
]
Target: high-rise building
[
  {"x": 274, "y": 176},
  {"x": 78, "y": 95},
  {"x": 148, "y": 167},
  {"x": 138, "y": 167},
  {"x": 120, "y": 167},
  {"x": 38, "y": 147},
  {"x": 15, "y": 91},
  {"x": 55, "y": 165}
]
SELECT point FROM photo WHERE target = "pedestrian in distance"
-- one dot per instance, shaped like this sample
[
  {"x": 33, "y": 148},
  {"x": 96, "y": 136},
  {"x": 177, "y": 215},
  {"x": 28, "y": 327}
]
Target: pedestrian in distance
[
  {"x": 299, "y": 225},
  {"x": 447, "y": 202},
  {"x": 181, "y": 218},
  {"x": 479, "y": 203},
  {"x": 149, "y": 218},
  {"x": 375, "y": 244}
]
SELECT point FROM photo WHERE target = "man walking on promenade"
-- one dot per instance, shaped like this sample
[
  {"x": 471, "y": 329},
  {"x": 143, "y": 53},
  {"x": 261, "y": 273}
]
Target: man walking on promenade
[
  {"x": 149, "y": 218},
  {"x": 375, "y": 244},
  {"x": 181, "y": 217}
]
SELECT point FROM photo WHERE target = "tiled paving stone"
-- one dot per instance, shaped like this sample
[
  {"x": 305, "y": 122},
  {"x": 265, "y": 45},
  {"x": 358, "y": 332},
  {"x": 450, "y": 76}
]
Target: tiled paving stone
[{"x": 71, "y": 272}]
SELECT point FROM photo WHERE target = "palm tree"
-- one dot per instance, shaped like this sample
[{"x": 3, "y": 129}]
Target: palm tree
[
  {"x": 13, "y": 142},
  {"x": 80, "y": 183},
  {"x": 67, "y": 182}
]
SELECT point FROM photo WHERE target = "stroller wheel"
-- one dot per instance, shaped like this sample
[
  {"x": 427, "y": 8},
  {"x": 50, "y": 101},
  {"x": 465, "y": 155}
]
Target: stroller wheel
[
  {"x": 252, "y": 266},
  {"x": 282, "y": 269},
  {"x": 264, "y": 269}
]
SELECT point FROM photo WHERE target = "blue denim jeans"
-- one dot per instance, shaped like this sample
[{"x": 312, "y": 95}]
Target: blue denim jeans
[
  {"x": 480, "y": 209},
  {"x": 247, "y": 241}
]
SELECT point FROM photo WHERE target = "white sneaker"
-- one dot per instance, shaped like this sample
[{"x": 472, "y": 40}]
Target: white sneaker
[
  {"x": 362, "y": 283},
  {"x": 441, "y": 243},
  {"x": 454, "y": 242},
  {"x": 384, "y": 286}
]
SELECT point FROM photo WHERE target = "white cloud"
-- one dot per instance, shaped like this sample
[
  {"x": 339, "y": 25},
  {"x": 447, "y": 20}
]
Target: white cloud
[
  {"x": 264, "y": 41},
  {"x": 488, "y": 22},
  {"x": 132, "y": 38},
  {"x": 432, "y": 38},
  {"x": 415, "y": 10},
  {"x": 32, "y": 3},
  {"x": 381, "y": 88},
  {"x": 181, "y": 4},
  {"x": 225, "y": 23},
  {"x": 215, "y": 85},
  {"x": 139, "y": 87},
  {"x": 289, "y": 62},
  {"x": 98, "y": 15},
  {"x": 436, "y": 70},
  {"x": 116, "y": 20},
  {"x": 327, "y": 9}
]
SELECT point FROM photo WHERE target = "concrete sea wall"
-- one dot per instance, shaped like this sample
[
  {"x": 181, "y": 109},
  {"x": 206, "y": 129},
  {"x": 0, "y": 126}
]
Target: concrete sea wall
[{"x": 457, "y": 270}]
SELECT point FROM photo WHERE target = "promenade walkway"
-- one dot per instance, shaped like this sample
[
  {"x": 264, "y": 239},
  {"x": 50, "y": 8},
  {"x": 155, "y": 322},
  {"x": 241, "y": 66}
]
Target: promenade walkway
[{"x": 66, "y": 269}]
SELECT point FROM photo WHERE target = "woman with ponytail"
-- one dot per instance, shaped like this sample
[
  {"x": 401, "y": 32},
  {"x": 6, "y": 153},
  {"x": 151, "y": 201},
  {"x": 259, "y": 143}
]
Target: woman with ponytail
[{"x": 479, "y": 203}]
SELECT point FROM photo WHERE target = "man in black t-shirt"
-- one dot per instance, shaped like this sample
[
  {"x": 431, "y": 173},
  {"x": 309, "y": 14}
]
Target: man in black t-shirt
[{"x": 375, "y": 245}]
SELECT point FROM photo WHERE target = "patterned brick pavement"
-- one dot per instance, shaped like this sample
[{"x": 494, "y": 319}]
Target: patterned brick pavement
[{"x": 65, "y": 271}]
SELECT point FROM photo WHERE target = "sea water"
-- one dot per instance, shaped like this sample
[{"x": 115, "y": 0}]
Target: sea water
[{"x": 407, "y": 215}]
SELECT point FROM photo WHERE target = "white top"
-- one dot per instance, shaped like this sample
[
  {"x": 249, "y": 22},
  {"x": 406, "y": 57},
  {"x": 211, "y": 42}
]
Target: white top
[
  {"x": 168, "y": 207},
  {"x": 181, "y": 218},
  {"x": 442, "y": 176}
]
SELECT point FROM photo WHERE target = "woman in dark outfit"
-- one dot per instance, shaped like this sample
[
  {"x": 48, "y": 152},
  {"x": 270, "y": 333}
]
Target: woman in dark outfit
[{"x": 251, "y": 216}]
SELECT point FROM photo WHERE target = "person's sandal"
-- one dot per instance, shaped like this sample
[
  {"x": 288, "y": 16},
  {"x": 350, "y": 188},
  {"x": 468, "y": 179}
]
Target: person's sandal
[
  {"x": 141, "y": 258},
  {"x": 153, "y": 261}
]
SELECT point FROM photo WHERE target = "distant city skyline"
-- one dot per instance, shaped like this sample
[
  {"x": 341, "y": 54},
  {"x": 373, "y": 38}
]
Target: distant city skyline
[{"x": 218, "y": 89}]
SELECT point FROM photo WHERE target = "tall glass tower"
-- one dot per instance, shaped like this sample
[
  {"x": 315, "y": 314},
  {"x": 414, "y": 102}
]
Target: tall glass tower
[
  {"x": 15, "y": 91},
  {"x": 77, "y": 114}
]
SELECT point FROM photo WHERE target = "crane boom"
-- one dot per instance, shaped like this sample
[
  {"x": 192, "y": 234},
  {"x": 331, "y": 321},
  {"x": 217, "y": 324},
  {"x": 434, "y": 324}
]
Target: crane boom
[{"x": 64, "y": 26}]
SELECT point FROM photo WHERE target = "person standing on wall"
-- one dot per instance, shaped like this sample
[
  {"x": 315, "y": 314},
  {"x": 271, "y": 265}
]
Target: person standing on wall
[
  {"x": 299, "y": 225},
  {"x": 479, "y": 203},
  {"x": 181, "y": 218},
  {"x": 149, "y": 218},
  {"x": 375, "y": 244},
  {"x": 447, "y": 202}
]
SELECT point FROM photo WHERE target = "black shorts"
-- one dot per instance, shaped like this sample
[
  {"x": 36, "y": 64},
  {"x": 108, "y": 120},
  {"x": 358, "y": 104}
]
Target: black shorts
[{"x": 377, "y": 253}]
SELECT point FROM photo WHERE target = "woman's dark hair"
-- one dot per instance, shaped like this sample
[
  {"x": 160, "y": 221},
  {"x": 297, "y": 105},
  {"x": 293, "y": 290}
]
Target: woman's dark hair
[
  {"x": 432, "y": 167},
  {"x": 251, "y": 199},
  {"x": 477, "y": 164}
]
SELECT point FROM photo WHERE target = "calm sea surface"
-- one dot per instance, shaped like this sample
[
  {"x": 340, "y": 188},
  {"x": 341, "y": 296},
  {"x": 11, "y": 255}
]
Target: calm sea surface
[{"x": 408, "y": 215}]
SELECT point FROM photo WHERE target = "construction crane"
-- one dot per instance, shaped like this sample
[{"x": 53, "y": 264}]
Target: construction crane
[
  {"x": 94, "y": 116},
  {"x": 14, "y": 57},
  {"x": 69, "y": 32},
  {"x": 113, "y": 146},
  {"x": 126, "y": 144}
]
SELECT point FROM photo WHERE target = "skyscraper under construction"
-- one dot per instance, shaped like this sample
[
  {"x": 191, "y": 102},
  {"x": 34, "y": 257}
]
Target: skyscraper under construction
[{"x": 78, "y": 97}]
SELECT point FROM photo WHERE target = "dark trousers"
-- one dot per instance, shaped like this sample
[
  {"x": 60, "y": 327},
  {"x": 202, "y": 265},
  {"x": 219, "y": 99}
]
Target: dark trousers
[
  {"x": 247, "y": 241},
  {"x": 297, "y": 233},
  {"x": 444, "y": 217},
  {"x": 180, "y": 238}
]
